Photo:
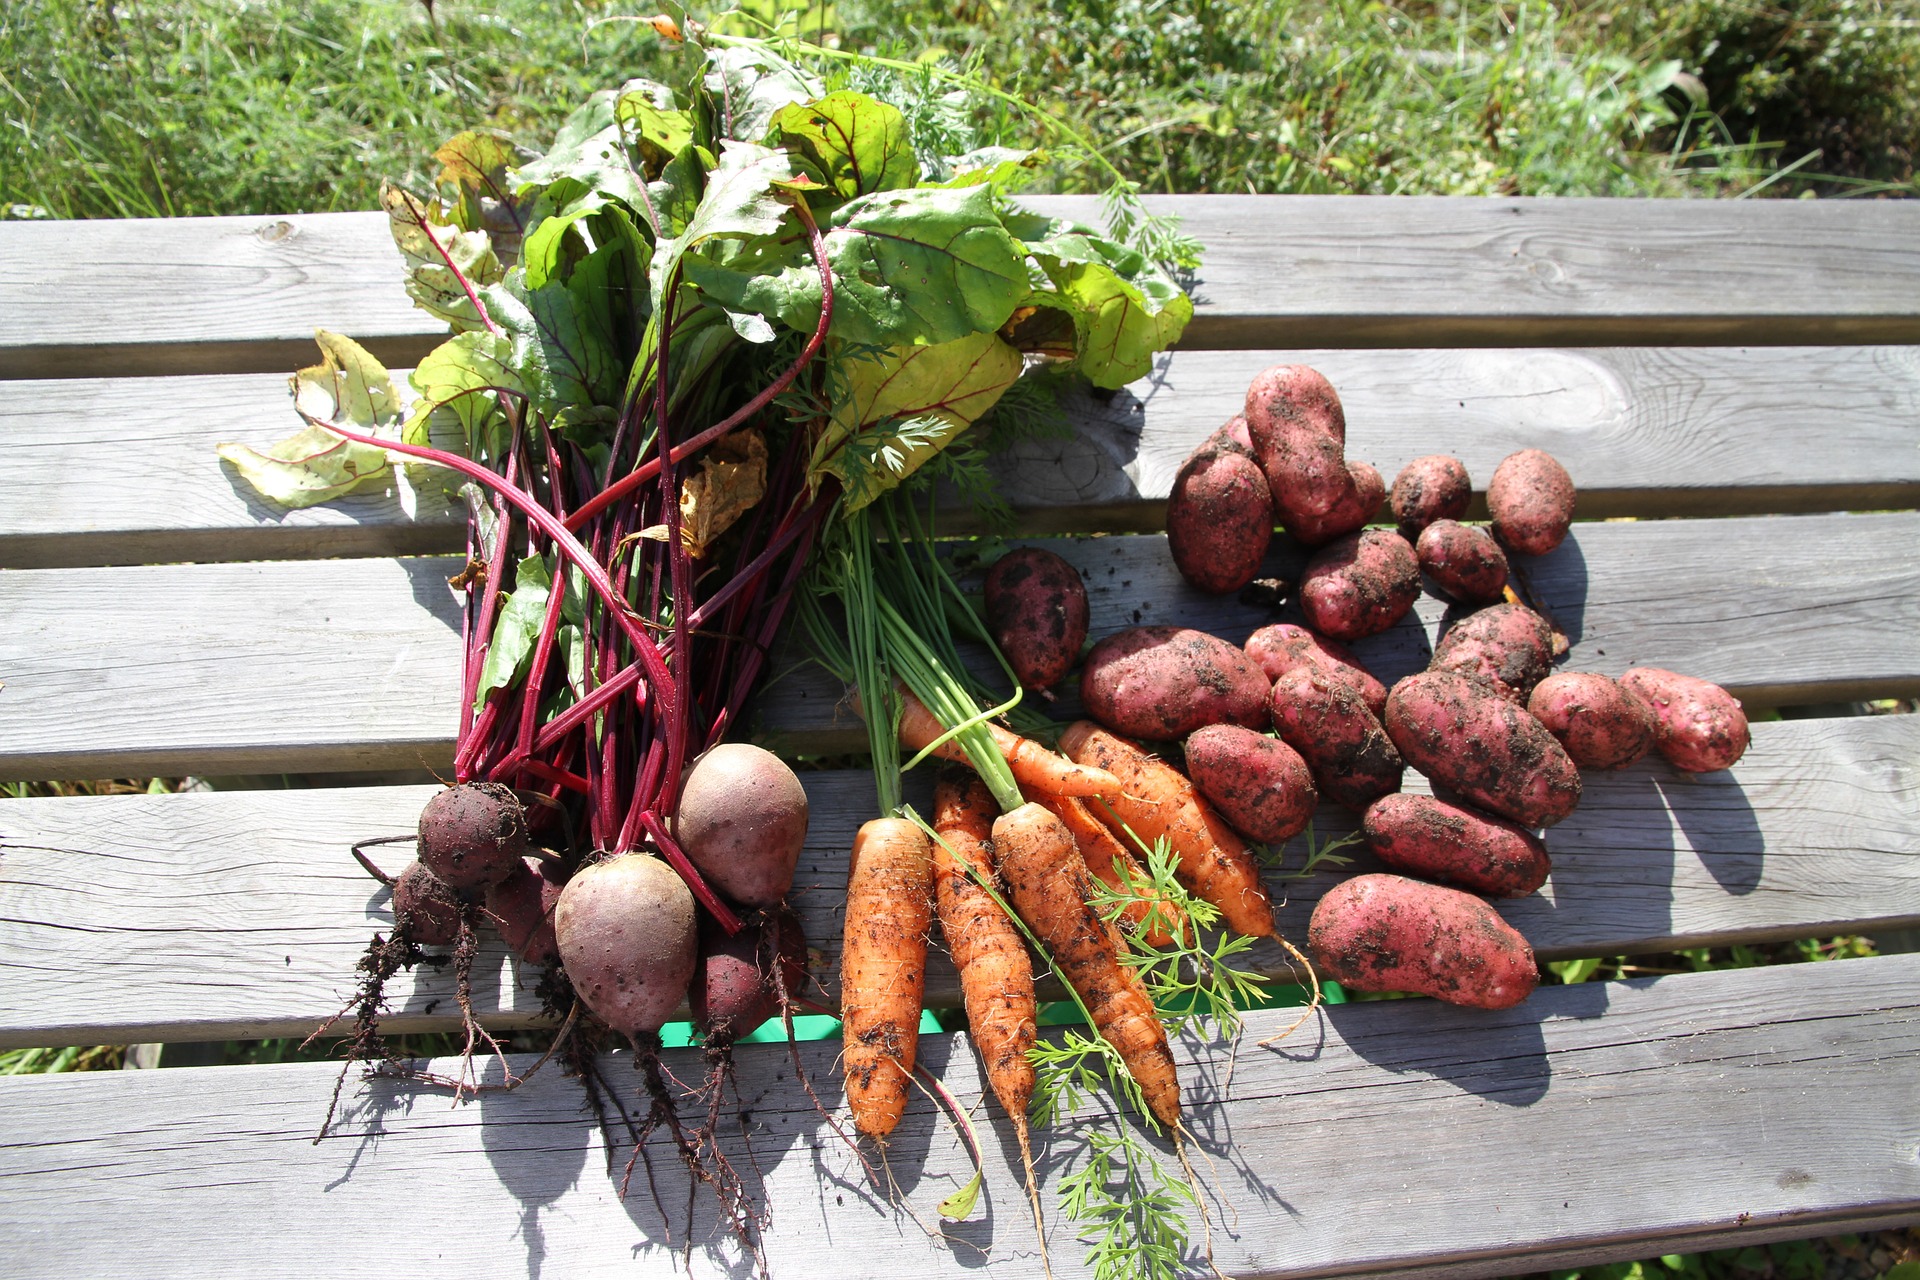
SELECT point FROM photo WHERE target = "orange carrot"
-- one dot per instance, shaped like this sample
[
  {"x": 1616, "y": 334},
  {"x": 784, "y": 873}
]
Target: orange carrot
[
  {"x": 996, "y": 975},
  {"x": 1114, "y": 865},
  {"x": 1156, "y": 800},
  {"x": 1050, "y": 886},
  {"x": 883, "y": 968},
  {"x": 1032, "y": 764}
]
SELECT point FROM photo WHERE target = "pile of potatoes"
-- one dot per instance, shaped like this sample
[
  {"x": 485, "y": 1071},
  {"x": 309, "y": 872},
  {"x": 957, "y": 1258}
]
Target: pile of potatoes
[{"x": 1272, "y": 727}]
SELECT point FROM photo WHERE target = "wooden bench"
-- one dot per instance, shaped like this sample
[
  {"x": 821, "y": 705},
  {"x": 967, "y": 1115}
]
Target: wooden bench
[{"x": 1744, "y": 372}]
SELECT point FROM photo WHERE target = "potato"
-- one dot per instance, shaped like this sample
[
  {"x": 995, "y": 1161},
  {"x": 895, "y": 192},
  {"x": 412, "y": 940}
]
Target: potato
[
  {"x": 1531, "y": 501},
  {"x": 1463, "y": 560},
  {"x": 1697, "y": 725},
  {"x": 1509, "y": 646},
  {"x": 1283, "y": 647},
  {"x": 1424, "y": 836},
  {"x": 1037, "y": 611},
  {"x": 1389, "y": 933},
  {"x": 1354, "y": 763},
  {"x": 742, "y": 821},
  {"x": 1163, "y": 683},
  {"x": 1464, "y": 736},
  {"x": 1299, "y": 434},
  {"x": 1360, "y": 585},
  {"x": 1258, "y": 784},
  {"x": 1347, "y": 515},
  {"x": 1427, "y": 489},
  {"x": 1232, "y": 434},
  {"x": 1219, "y": 519},
  {"x": 1601, "y": 723}
]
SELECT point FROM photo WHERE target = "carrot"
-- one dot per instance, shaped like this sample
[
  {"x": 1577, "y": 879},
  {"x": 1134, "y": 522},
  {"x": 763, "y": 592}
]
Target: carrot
[
  {"x": 883, "y": 968},
  {"x": 1032, "y": 764},
  {"x": 1114, "y": 865},
  {"x": 1157, "y": 801},
  {"x": 996, "y": 975},
  {"x": 1050, "y": 885}
]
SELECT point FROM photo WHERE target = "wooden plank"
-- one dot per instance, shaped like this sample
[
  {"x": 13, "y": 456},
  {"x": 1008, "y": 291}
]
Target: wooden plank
[
  {"x": 330, "y": 665},
  {"x": 1796, "y": 1086},
  {"x": 143, "y": 296},
  {"x": 240, "y": 294},
  {"x": 122, "y": 471},
  {"x": 239, "y": 915}
]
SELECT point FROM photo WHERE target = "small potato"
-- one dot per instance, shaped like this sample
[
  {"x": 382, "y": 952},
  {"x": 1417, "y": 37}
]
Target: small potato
[
  {"x": 1354, "y": 763},
  {"x": 1360, "y": 585},
  {"x": 1232, "y": 434},
  {"x": 1531, "y": 501},
  {"x": 1163, "y": 683},
  {"x": 1698, "y": 726},
  {"x": 1464, "y": 736},
  {"x": 1349, "y": 514},
  {"x": 1463, "y": 560},
  {"x": 1423, "y": 836},
  {"x": 1037, "y": 611},
  {"x": 1509, "y": 646},
  {"x": 1283, "y": 647},
  {"x": 1601, "y": 723},
  {"x": 1258, "y": 784},
  {"x": 1427, "y": 489},
  {"x": 1219, "y": 520},
  {"x": 1389, "y": 933}
]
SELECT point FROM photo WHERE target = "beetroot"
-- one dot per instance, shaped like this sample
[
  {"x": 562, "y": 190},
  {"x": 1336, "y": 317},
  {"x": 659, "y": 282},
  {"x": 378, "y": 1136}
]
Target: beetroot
[
  {"x": 742, "y": 822},
  {"x": 473, "y": 835},
  {"x": 424, "y": 908},
  {"x": 737, "y": 986},
  {"x": 521, "y": 908},
  {"x": 626, "y": 933}
]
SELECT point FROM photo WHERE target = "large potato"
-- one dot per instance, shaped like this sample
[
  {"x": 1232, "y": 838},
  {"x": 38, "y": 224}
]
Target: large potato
[
  {"x": 1425, "y": 836},
  {"x": 1698, "y": 726},
  {"x": 1037, "y": 611},
  {"x": 1284, "y": 647},
  {"x": 1389, "y": 933},
  {"x": 1360, "y": 585},
  {"x": 1509, "y": 646},
  {"x": 1299, "y": 434},
  {"x": 1531, "y": 501},
  {"x": 1463, "y": 560},
  {"x": 1427, "y": 489},
  {"x": 1464, "y": 736},
  {"x": 1601, "y": 723},
  {"x": 1219, "y": 519},
  {"x": 1258, "y": 784},
  {"x": 1353, "y": 761},
  {"x": 1164, "y": 682}
]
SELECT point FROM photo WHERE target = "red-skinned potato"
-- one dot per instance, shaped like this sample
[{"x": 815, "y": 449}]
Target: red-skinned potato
[
  {"x": 1284, "y": 647},
  {"x": 1347, "y": 515},
  {"x": 1531, "y": 501},
  {"x": 1463, "y": 560},
  {"x": 1232, "y": 434},
  {"x": 1427, "y": 837},
  {"x": 1467, "y": 738},
  {"x": 1427, "y": 489},
  {"x": 742, "y": 821},
  {"x": 1258, "y": 784},
  {"x": 1162, "y": 683},
  {"x": 1601, "y": 723},
  {"x": 1389, "y": 933},
  {"x": 1360, "y": 585},
  {"x": 1509, "y": 646},
  {"x": 1219, "y": 520},
  {"x": 1299, "y": 433},
  {"x": 1354, "y": 763},
  {"x": 1698, "y": 726},
  {"x": 1037, "y": 610}
]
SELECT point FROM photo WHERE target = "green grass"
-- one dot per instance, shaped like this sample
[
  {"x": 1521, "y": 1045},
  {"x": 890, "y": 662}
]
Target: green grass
[{"x": 176, "y": 107}]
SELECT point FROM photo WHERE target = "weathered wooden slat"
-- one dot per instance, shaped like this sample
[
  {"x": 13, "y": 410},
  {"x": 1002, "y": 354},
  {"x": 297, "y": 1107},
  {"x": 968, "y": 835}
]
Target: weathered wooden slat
[
  {"x": 1348, "y": 1149},
  {"x": 122, "y": 471},
  {"x": 328, "y": 665},
  {"x": 238, "y": 915},
  {"x": 242, "y": 294}
]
